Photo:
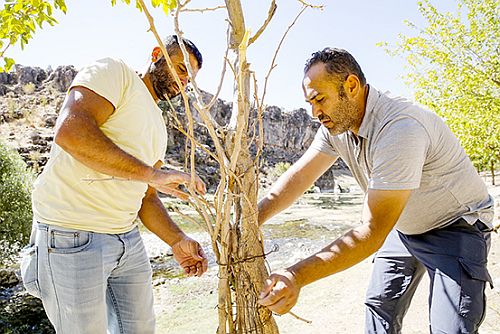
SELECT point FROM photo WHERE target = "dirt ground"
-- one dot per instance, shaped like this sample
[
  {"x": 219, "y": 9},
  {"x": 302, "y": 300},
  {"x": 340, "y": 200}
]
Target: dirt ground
[{"x": 334, "y": 304}]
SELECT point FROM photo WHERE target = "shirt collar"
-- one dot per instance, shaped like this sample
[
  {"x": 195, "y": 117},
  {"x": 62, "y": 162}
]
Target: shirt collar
[{"x": 369, "y": 117}]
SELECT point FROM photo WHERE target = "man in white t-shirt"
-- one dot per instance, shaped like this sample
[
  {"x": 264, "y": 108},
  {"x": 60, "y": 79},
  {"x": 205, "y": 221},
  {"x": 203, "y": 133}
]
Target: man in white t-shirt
[
  {"x": 419, "y": 184},
  {"x": 87, "y": 261}
]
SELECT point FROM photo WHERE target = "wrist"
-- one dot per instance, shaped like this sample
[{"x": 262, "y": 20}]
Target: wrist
[
  {"x": 151, "y": 175},
  {"x": 293, "y": 274},
  {"x": 177, "y": 238}
]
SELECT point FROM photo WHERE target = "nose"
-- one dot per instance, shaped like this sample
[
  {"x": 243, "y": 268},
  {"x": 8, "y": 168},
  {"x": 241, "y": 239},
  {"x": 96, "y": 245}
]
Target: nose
[
  {"x": 184, "y": 79},
  {"x": 315, "y": 111}
]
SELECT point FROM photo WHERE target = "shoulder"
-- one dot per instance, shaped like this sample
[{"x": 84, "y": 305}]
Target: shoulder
[{"x": 106, "y": 66}]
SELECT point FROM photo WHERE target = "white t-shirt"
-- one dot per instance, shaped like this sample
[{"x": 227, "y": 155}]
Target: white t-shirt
[{"x": 71, "y": 195}]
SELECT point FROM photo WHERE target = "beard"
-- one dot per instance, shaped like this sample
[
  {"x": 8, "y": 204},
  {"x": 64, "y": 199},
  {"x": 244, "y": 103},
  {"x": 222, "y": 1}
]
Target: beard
[
  {"x": 163, "y": 81},
  {"x": 344, "y": 117}
]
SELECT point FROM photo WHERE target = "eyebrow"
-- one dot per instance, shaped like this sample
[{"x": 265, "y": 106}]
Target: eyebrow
[{"x": 308, "y": 100}]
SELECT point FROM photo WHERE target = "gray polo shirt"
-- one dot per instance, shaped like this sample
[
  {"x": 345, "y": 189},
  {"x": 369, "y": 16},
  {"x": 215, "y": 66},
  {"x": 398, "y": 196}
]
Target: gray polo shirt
[{"x": 400, "y": 146}]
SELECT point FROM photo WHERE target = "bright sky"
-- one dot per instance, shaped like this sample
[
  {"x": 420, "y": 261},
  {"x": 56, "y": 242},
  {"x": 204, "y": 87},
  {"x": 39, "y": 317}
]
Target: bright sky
[{"x": 93, "y": 29}]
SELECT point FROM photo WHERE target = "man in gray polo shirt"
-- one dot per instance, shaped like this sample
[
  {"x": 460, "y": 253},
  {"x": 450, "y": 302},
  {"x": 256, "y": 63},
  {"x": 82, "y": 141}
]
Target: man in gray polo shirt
[{"x": 423, "y": 198}]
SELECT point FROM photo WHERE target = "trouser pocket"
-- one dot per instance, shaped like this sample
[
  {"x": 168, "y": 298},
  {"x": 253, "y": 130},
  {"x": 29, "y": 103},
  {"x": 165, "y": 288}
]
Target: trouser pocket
[
  {"x": 29, "y": 270},
  {"x": 472, "y": 297}
]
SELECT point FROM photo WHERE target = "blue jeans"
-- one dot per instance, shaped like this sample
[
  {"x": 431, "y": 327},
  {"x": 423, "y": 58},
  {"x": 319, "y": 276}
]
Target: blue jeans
[
  {"x": 90, "y": 282},
  {"x": 455, "y": 259}
]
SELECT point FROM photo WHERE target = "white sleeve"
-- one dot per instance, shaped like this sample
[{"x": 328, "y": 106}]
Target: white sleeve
[{"x": 105, "y": 77}]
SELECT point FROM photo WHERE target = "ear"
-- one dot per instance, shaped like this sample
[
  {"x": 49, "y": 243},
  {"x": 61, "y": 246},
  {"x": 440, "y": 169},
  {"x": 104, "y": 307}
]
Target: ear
[
  {"x": 352, "y": 86},
  {"x": 156, "y": 54}
]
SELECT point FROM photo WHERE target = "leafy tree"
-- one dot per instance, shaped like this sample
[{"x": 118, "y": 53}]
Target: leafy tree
[
  {"x": 19, "y": 20},
  {"x": 455, "y": 70},
  {"x": 15, "y": 203}
]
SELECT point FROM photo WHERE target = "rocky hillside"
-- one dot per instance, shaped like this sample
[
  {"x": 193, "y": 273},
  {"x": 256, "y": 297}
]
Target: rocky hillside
[{"x": 30, "y": 99}]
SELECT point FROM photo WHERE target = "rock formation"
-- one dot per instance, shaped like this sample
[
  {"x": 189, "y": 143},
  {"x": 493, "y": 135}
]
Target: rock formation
[{"x": 30, "y": 99}]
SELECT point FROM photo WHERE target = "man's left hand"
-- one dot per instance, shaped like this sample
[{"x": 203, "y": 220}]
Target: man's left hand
[
  {"x": 280, "y": 292},
  {"x": 190, "y": 256}
]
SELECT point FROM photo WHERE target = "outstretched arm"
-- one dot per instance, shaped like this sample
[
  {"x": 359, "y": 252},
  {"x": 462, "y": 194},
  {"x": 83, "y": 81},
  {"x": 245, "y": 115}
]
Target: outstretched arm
[
  {"x": 381, "y": 211},
  {"x": 293, "y": 183},
  {"x": 78, "y": 133}
]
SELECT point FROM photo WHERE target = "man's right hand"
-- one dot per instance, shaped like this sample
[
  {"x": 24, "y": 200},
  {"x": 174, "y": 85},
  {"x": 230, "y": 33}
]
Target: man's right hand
[
  {"x": 168, "y": 182},
  {"x": 190, "y": 256}
]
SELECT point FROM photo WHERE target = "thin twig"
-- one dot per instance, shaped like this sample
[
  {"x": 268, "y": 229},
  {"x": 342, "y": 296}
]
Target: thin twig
[
  {"x": 5, "y": 50},
  {"x": 202, "y": 10},
  {"x": 270, "y": 15},
  {"x": 204, "y": 112},
  {"x": 185, "y": 216},
  {"x": 273, "y": 62},
  {"x": 299, "y": 318},
  {"x": 223, "y": 74},
  {"x": 259, "y": 107},
  {"x": 320, "y": 7}
]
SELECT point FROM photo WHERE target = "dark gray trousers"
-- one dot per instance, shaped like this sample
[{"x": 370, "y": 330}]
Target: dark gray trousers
[{"x": 455, "y": 260}]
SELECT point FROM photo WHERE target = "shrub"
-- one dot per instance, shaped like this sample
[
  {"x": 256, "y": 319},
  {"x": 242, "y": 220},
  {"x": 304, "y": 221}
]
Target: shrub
[
  {"x": 15, "y": 203},
  {"x": 29, "y": 88},
  {"x": 279, "y": 169}
]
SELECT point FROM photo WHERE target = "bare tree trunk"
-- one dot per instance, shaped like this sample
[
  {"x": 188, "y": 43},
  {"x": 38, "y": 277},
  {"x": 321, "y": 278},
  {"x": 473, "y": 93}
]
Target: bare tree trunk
[
  {"x": 232, "y": 220},
  {"x": 492, "y": 169},
  {"x": 245, "y": 271}
]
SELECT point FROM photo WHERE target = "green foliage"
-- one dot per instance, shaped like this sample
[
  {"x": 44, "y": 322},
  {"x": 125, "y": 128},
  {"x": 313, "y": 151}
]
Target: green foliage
[
  {"x": 454, "y": 67},
  {"x": 166, "y": 5},
  {"x": 19, "y": 20},
  {"x": 279, "y": 169},
  {"x": 15, "y": 203}
]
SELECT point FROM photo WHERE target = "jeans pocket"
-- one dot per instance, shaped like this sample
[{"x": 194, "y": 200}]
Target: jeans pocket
[
  {"x": 472, "y": 285},
  {"x": 68, "y": 241},
  {"x": 29, "y": 270}
]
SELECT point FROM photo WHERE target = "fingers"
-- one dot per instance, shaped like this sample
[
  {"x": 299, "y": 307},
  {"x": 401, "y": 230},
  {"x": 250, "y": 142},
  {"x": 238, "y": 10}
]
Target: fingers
[
  {"x": 277, "y": 300},
  {"x": 194, "y": 270},
  {"x": 198, "y": 255},
  {"x": 200, "y": 186},
  {"x": 279, "y": 294},
  {"x": 190, "y": 270},
  {"x": 268, "y": 286},
  {"x": 204, "y": 262},
  {"x": 171, "y": 190},
  {"x": 172, "y": 179},
  {"x": 282, "y": 306},
  {"x": 194, "y": 250},
  {"x": 190, "y": 255}
]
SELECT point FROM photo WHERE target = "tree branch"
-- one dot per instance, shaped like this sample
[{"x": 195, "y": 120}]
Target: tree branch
[
  {"x": 273, "y": 62},
  {"x": 202, "y": 10},
  {"x": 270, "y": 15}
]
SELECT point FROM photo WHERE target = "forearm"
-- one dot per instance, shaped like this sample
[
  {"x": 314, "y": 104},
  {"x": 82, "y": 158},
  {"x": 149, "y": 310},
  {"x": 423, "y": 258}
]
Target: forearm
[
  {"x": 156, "y": 219},
  {"x": 289, "y": 187},
  {"x": 345, "y": 252},
  {"x": 294, "y": 182},
  {"x": 82, "y": 139}
]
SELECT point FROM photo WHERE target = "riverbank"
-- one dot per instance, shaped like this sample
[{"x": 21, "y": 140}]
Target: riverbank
[{"x": 334, "y": 304}]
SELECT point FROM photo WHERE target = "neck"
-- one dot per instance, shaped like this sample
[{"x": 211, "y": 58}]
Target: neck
[
  {"x": 146, "y": 78},
  {"x": 361, "y": 102}
]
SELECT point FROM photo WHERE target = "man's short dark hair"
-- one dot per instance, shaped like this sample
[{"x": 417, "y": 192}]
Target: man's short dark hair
[
  {"x": 338, "y": 62},
  {"x": 172, "y": 45}
]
